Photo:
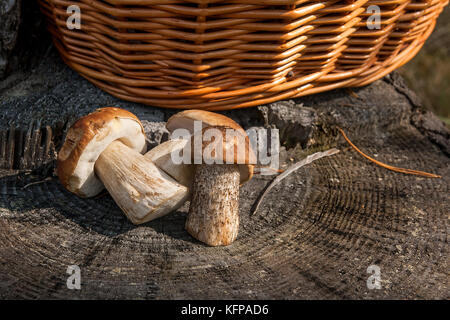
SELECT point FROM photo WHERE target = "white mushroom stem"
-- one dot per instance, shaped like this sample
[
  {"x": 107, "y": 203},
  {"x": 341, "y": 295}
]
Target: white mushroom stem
[
  {"x": 139, "y": 188},
  {"x": 214, "y": 210},
  {"x": 162, "y": 157}
]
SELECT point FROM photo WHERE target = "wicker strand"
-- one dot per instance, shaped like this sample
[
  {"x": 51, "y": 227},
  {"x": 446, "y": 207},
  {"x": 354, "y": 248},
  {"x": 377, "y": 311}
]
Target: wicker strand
[{"x": 219, "y": 55}]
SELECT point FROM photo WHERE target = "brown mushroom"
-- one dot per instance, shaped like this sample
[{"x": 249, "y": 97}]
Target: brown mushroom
[
  {"x": 104, "y": 149},
  {"x": 226, "y": 155}
]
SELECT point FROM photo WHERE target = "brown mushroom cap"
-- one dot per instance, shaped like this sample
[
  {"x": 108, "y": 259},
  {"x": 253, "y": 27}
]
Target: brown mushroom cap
[
  {"x": 185, "y": 120},
  {"x": 88, "y": 137},
  {"x": 233, "y": 147}
]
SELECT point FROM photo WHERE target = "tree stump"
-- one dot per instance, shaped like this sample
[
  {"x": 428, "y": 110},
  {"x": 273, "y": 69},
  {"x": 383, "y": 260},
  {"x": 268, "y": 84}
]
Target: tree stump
[{"x": 314, "y": 236}]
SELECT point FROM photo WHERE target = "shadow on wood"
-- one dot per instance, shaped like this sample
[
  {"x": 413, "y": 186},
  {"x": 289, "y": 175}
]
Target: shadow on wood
[{"x": 314, "y": 235}]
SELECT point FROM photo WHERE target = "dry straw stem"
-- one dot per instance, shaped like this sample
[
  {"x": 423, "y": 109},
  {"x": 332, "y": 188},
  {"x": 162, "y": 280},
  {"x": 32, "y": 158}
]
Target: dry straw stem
[
  {"x": 217, "y": 55},
  {"x": 290, "y": 170},
  {"x": 381, "y": 164}
]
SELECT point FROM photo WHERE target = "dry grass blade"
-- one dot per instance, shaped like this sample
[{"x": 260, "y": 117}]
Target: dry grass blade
[
  {"x": 290, "y": 170},
  {"x": 37, "y": 182}
]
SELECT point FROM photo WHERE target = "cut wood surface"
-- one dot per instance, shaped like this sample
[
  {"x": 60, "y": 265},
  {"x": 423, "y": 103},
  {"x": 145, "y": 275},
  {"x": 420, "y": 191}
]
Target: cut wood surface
[{"x": 314, "y": 235}]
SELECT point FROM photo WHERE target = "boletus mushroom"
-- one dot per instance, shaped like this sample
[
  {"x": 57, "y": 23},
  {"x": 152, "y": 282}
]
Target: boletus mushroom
[
  {"x": 226, "y": 156},
  {"x": 214, "y": 210},
  {"x": 104, "y": 149}
]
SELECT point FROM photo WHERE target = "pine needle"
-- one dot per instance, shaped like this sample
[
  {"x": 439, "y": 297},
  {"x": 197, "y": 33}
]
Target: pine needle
[{"x": 389, "y": 167}]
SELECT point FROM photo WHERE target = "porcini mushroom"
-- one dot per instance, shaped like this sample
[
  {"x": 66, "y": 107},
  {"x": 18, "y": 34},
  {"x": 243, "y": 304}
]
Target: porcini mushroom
[
  {"x": 104, "y": 149},
  {"x": 214, "y": 209}
]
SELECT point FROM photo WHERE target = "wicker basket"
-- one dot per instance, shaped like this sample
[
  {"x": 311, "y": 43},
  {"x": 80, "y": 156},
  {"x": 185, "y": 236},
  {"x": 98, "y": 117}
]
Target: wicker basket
[{"x": 226, "y": 54}]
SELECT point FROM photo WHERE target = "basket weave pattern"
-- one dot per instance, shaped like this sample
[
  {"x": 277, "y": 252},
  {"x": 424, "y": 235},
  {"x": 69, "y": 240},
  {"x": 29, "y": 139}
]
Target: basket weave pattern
[{"x": 225, "y": 54}]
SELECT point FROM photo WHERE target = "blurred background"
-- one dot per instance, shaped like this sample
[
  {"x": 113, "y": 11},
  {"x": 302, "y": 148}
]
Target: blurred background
[{"x": 428, "y": 73}]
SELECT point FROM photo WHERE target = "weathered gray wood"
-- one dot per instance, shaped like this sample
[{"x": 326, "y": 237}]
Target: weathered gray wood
[
  {"x": 314, "y": 235},
  {"x": 23, "y": 38}
]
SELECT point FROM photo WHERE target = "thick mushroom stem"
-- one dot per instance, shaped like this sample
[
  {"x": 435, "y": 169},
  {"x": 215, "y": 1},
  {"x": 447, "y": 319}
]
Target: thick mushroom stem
[
  {"x": 214, "y": 210},
  {"x": 139, "y": 188}
]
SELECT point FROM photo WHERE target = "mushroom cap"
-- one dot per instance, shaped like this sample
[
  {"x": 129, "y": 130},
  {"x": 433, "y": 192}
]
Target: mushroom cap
[
  {"x": 185, "y": 120},
  {"x": 87, "y": 138},
  {"x": 232, "y": 146}
]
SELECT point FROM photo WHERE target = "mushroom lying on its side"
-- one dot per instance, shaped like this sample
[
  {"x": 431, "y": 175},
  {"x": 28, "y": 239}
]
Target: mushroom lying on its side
[{"x": 104, "y": 149}]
